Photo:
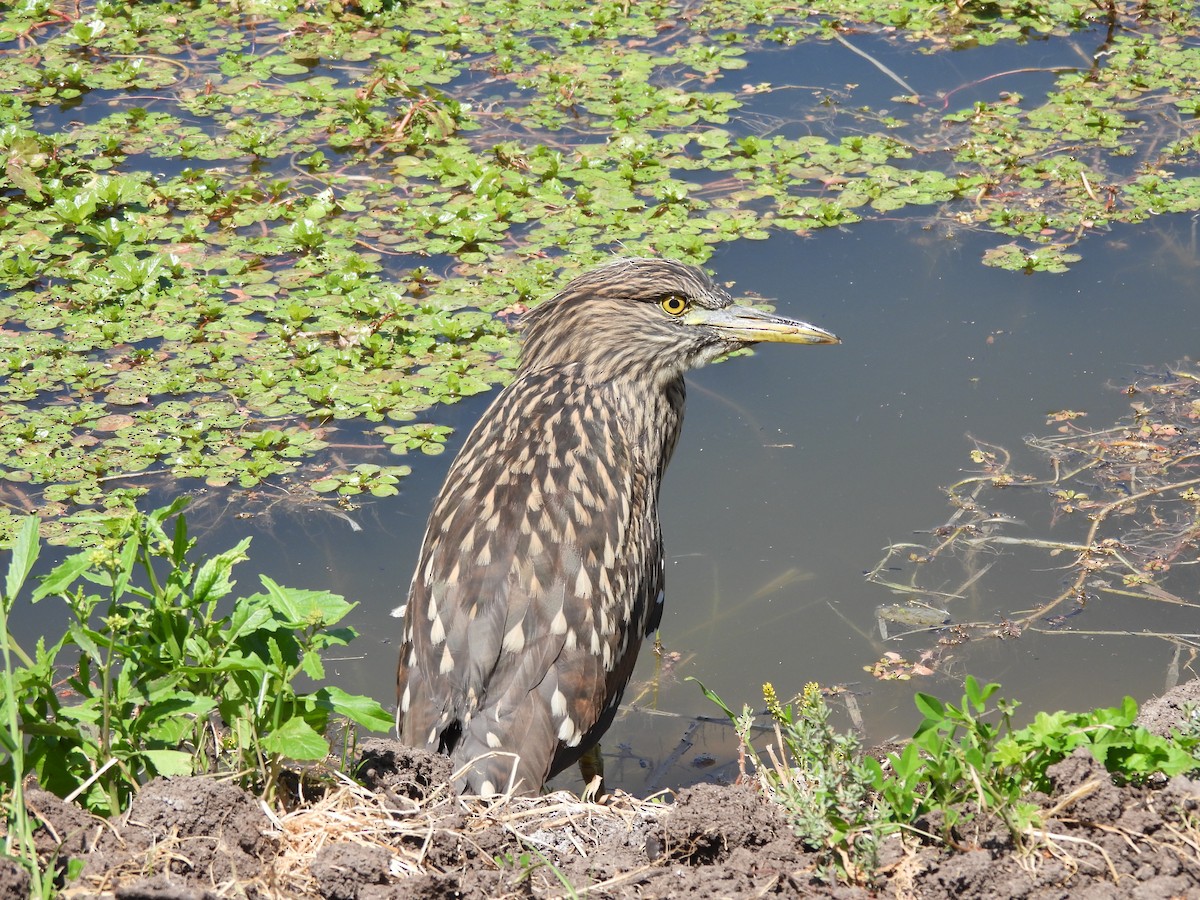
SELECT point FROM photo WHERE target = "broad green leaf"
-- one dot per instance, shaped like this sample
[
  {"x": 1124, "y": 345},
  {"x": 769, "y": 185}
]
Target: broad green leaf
[
  {"x": 25, "y": 551},
  {"x": 249, "y": 614},
  {"x": 366, "y": 711},
  {"x": 930, "y": 707},
  {"x": 311, "y": 665},
  {"x": 305, "y": 608},
  {"x": 63, "y": 575},
  {"x": 169, "y": 762},
  {"x": 212, "y": 579},
  {"x": 296, "y": 739}
]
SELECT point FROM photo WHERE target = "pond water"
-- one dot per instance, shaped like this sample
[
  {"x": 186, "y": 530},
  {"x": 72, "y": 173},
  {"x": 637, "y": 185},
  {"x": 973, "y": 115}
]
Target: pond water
[{"x": 799, "y": 465}]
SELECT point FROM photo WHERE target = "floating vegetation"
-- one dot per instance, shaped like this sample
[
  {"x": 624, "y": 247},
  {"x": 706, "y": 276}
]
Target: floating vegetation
[
  {"x": 1129, "y": 494},
  {"x": 228, "y": 231}
]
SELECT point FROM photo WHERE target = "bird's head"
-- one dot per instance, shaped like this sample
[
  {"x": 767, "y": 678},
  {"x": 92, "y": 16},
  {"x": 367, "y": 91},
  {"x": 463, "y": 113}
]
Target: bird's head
[{"x": 649, "y": 318}]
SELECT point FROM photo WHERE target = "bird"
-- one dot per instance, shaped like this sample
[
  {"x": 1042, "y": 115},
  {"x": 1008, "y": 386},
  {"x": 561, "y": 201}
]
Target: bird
[{"x": 542, "y": 568}]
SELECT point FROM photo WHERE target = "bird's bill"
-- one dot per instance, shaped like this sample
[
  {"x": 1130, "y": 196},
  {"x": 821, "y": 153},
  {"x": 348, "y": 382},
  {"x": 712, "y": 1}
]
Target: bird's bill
[{"x": 749, "y": 325}]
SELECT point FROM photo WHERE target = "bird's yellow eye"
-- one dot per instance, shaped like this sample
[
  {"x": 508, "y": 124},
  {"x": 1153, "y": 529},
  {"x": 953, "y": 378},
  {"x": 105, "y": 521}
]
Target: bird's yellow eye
[{"x": 674, "y": 304}]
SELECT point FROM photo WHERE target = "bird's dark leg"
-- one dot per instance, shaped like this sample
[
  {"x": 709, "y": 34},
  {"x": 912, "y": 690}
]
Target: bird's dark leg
[{"x": 591, "y": 767}]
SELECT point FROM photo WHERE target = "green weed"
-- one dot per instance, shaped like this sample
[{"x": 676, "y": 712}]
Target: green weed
[
  {"x": 816, "y": 774},
  {"x": 18, "y": 835},
  {"x": 963, "y": 761},
  {"x": 151, "y": 678}
]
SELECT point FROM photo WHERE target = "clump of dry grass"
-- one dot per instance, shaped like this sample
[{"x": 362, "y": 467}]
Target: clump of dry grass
[{"x": 556, "y": 828}]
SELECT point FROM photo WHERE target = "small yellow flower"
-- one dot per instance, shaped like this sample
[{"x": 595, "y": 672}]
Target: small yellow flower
[
  {"x": 773, "y": 706},
  {"x": 811, "y": 696}
]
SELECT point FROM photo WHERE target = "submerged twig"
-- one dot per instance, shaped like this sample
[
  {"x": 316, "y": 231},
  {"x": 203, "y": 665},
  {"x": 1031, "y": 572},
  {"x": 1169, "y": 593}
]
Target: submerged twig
[
  {"x": 1139, "y": 512},
  {"x": 876, "y": 63}
]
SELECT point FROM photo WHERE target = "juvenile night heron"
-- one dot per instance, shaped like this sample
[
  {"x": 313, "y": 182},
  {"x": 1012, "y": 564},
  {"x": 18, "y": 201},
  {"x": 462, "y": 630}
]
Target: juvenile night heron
[{"x": 542, "y": 566}]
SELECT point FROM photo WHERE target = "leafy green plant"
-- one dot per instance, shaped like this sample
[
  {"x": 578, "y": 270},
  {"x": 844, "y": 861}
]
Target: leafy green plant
[
  {"x": 964, "y": 760},
  {"x": 158, "y": 681},
  {"x": 959, "y": 763},
  {"x": 952, "y": 766},
  {"x": 1127, "y": 750}
]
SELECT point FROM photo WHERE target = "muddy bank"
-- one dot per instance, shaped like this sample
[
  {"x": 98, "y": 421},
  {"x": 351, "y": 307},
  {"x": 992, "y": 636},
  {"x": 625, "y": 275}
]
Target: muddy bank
[{"x": 402, "y": 834}]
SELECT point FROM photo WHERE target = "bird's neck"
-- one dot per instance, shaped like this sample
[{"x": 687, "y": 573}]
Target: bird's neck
[
  {"x": 653, "y": 413},
  {"x": 647, "y": 408}
]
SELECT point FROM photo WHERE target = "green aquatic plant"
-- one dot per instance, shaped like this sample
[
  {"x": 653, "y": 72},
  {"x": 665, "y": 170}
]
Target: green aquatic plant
[{"x": 335, "y": 214}]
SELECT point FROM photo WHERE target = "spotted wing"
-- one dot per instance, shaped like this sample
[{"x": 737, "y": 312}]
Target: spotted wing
[{"x": 538, "y": 576}]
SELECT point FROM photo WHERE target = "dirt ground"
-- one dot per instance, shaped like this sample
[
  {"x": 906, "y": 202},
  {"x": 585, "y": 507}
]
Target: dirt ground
[{"x": 403, "y": 834}]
